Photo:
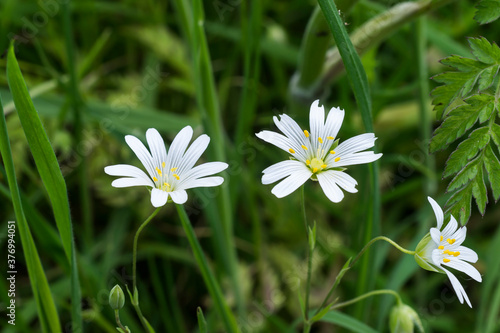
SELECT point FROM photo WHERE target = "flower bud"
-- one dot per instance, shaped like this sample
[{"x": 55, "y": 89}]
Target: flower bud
[
  {"x": 116, "y": 298},
  {"x": 403, "y": 318}
]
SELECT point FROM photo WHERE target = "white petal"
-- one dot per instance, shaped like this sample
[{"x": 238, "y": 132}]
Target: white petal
[
  {"x": 450, "y": 228},
  {"x": 465, "y": 267},
  {"x": 129, "y": 182},
  {"x": 142, "y": 153},
  {"x": 125, "y": 170},
  {"x": 437, "y": 211},
  {"x": 202, "y": 170},
  {"x": 157, "y": 146},
  {"x": 290, "y": 128},
  {"x": 459, "y": 236},
  {"x": 194, "y": 153},
  {"x": 356, "y": 144},
  {"x": 203, "y": 182},
  {"x": 332, "y": 191},
  {"x": 459, "y": 290},
  {"x": 179, "y": 196},
  {"x": 436, "y": 235},
  {"x": 280, "y": 170},
  {"x": 158, "y": 197},
  {"x": 467, "y": 254},
  {"x": 316, "y": 122},
  {"x": 291, "y": 183},
  {"x": 344, "y": 180},
  {"x": 352, "y": 159},
  {"x": 178, "y": 147},
  {"x": 284, "y": 143},
  {"x": 334, "y": 122}
]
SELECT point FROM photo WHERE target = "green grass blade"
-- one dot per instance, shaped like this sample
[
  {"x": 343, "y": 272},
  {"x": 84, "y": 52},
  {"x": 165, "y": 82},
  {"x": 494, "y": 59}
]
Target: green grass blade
[
  {"x": 359, "y": 82},
  {"x": 342, "y": 320},
  {"x": 47, "y": 311},
  {"x": 50, "y": 173}
]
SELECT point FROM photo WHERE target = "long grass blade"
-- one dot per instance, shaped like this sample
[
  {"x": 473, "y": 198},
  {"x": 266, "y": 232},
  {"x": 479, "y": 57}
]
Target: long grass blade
[{"x": 50, "y": 173}]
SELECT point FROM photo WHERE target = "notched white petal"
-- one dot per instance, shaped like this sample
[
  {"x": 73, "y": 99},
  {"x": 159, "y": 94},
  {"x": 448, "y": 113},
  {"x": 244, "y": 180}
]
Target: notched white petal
[
  {"x": 437, "y": 211},
  {"x": 158, "y": 197}
]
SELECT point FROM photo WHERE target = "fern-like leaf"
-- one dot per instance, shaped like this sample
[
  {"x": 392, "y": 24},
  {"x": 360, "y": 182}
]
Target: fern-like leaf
[
  {"x": 487, "y": 11},
  {"x": 468, "y": 101}
]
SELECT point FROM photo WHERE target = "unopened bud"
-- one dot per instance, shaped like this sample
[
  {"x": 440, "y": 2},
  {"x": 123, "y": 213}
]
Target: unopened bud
[
  {"x": 403, "y": 318},
  {"x": 116, "y": 298}
]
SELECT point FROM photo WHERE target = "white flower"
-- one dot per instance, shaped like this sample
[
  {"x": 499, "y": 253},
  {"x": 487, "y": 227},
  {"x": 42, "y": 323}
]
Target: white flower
[
  {"x": 444, "y": 248},
  {"x": 316, "y": 154},
  {"x": 168, "y": 175}
]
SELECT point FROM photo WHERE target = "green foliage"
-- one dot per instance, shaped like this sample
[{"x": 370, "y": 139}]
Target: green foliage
[
  {"x": 467, "y": 97},
  {"x": 487, "y": 11}
]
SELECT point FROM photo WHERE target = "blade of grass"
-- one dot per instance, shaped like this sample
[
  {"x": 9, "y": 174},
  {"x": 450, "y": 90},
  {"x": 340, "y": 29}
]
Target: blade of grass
[
  {"x": 359, "y": 83},
  {"x": 47, "y": 312},
  {"x": 50, "y": 173},
  {"x": 193, "y": 19}
]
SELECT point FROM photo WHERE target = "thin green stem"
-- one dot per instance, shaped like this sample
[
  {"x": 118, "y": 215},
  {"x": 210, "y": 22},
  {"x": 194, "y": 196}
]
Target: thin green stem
[
  {"x": 303, "y": 206},
  {"x": 119, "y": 323},
  {"x": 368, "y": 294},
  {"x": 206, "y": 272},
  {"x": 136, "y": 238},
  {"x": 386, "y": 239}
]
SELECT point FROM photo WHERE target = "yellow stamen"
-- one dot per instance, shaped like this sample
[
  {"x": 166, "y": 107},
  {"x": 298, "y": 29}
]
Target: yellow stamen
[
  {"x": 315, "y": 170},
  {"x": 162, "y": 164},
  {"x": 441, "y": 239},
  {"x": 308, "y": 162},
  {"x": 173, "y": 169},
  {"x": 166, "y": 184},
  {"x": 446, "y": 252},
  {"x": 446, "y": 260},
  {"x": 155, "y": 179},
  {"x": 306, "y": 133},
  {"x": 176, "y": 176},
  {"x": 450, "y": 241},
  {"x": 337, "y": 159},
  {"x": 323, "y": 166},
  {"x": 320, "y": 140},
  {"x": 441, "y": 247},
  {"x": 304, "y": 147},
  {"x": 332, "y": 152},
  {"x": 456, "y": 254},
  {"x": 330, "y": 137},
  {"x": 159, "y": 171},
  {"x": 291, "y": 151}
]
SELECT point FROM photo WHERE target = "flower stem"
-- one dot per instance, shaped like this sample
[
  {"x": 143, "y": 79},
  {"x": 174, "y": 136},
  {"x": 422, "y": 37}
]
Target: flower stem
[
  {"x": 136, "y": 238},
  {"x": 310, "y": 251},
  {"x": 368, "y": 294},
  {"x": 388, "y": 240},
  {"x": 206, "y": 272},
  {"x": 119, "y": 323}
]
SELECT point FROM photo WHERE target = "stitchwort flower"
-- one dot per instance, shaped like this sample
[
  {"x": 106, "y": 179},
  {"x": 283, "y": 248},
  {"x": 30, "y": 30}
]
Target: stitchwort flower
[
  {"x": 169, "y": 175},
  {"x": 440, "y": 248},
  {"x": 316, "y": 154}
]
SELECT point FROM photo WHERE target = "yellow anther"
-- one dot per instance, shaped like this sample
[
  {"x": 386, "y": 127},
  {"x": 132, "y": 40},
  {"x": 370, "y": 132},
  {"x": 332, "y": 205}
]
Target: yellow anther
[
  {"x": 332, "y": 152},
  {"x": 162, "y": 164},
  {"x": 323, "y": 166},
  {"x": 315, "y": 170},
  {"x": 456, "y": 254},
  {"x": 446, "y": 260},
  {"x": 308, "y": 162},
  {"x": 337, "y": 159},
  {"x": 304, "y": 147},
  {"x": 306, "y": 133},
  {"x": 155, "y": 179},
  {"x": 176, "y": 176},
  {"x": 320, "y": 140},
  {"x": 451, "y": 241},
  {"x": 159, "y": 171},
  {"x": 330, "y": 137},
  {"x": 291, "y": 151},
  {"x": 441, "y": 239},
  {"x": 173, "y": 169},
  {"x": 440, "y": 247},
  {"x": 447, "y": 252},
  {"x": 166, "y": 184}
]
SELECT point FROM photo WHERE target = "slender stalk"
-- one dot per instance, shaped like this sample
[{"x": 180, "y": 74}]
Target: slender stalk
[
  {"x": 207, "y": 274},
  {"x": 119, "y": 323},
  {"x": 136, "y": 238},
  {"x": 310, "y": 251},
  {"x": 368, "y": 294}
]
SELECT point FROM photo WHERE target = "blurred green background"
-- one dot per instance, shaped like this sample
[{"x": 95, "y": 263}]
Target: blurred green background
[{"x": 134, "y": 69}]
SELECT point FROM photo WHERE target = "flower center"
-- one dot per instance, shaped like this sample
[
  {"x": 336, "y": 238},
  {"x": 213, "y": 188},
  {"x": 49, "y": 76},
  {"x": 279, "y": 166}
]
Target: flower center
[
  {"x": 316, "y": 164},
  {"x": 447, "y": 253},
  {"x": 162, "y": 179}
]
